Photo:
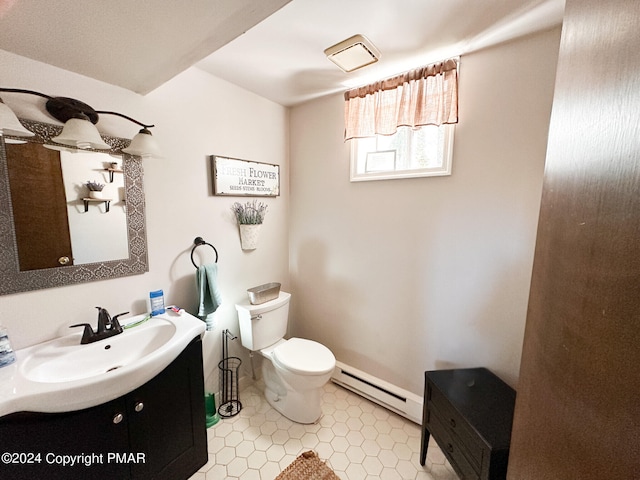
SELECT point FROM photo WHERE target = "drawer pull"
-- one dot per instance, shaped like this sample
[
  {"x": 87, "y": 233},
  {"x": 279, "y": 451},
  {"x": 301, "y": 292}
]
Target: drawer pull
[
  {"x": 450, "y": 447},
  {"x": 452, "y": 422}
]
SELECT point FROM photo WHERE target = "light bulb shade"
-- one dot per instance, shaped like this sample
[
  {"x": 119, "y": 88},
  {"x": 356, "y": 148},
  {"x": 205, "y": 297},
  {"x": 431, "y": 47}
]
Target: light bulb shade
[
  {"x": 9, "y": 123},
  {"x": 81, "y": 133},
  {"x": 14, "y": 141},
  {"x": 60, "y": 148},
  {"x": 143, "y": 145}
]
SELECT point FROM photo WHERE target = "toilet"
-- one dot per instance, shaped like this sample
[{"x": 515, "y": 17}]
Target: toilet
[{"x": 295, "y": 370}]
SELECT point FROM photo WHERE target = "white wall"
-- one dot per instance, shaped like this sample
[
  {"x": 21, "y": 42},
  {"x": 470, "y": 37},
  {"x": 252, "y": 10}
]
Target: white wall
[
  {"x": 196, "y": 115},
  {"x": 402, "y": 276}
]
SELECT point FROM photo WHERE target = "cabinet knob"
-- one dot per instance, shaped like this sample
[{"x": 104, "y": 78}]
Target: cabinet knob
[
  {"x": 117, "y": 418},
  {"x": 450, "y": 447},
  {"x": 64, "y": 260},
  {"x": 139, "y": 406},
  {"x": 452, "y": 422}
]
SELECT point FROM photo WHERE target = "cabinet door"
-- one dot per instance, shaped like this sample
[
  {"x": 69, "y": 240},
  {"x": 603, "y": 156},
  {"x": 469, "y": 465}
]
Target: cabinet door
[
  {"x": 41, "y": 443},
  {"x": 167, "y": 420}
]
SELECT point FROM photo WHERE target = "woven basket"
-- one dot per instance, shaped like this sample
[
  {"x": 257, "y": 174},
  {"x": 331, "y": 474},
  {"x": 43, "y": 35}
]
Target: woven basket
[{"x": 307, "y": 466}]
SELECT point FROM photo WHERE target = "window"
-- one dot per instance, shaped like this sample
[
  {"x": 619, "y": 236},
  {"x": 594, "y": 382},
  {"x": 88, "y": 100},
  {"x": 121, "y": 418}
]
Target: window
[
  {"x": 421, "y": 152},
  {"x": 402, "y": 126}
]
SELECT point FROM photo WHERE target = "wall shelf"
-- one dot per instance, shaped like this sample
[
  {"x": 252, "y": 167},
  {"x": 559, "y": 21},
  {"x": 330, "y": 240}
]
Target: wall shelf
[
  {"x": 112, "y": 171},
  {"x": 106, "y": 201}
]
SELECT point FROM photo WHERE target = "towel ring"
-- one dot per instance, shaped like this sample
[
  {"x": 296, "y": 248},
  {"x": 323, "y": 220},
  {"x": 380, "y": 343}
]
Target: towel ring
[{"x": 198, "y": 242}]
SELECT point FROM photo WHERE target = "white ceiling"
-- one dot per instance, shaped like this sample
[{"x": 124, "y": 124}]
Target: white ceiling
[
  {"x": 271, "y": 47},
  {"x": 136, "y": 44}
]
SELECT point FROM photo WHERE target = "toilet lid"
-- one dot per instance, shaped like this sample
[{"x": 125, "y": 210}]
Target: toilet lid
[{"x": 303, "y": 356}]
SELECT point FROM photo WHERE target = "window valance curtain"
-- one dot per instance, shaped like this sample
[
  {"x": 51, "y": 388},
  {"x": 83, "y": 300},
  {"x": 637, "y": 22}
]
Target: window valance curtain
[{"x": 424, "y": 96}]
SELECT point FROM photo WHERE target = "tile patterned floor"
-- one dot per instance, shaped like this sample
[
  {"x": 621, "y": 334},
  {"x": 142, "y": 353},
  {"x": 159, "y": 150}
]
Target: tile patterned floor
[{"x": 359, "y": 440}]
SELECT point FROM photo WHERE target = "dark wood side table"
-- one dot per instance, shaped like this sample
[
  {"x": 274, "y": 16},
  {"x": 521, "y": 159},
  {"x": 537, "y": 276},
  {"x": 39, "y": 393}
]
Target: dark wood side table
[{"x": 469, "y": 413}]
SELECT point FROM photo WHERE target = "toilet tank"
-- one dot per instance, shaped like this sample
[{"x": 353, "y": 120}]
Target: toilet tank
[{"x": 263, "y": 325}]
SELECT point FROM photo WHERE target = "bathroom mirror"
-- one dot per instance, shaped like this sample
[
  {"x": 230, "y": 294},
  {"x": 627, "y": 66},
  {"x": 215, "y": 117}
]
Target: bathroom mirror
[{"x": 52, "y": 231}]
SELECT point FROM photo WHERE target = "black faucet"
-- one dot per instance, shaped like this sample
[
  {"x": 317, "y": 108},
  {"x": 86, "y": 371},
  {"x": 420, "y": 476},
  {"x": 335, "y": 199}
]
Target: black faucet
[{"x": 107, "y": 327}]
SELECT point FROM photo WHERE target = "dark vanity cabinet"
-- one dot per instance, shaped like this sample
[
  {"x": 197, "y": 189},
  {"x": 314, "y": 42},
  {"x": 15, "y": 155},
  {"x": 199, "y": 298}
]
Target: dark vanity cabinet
[
  {"x": 469, "y": 412},
  {"x": 156, "y": 432}
]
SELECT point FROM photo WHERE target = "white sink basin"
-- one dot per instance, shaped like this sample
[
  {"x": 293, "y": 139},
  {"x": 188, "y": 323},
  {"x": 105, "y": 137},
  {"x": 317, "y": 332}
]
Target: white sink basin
[
  {"x": 63, "y": 361},
  {"x": 62, "y": 375}
]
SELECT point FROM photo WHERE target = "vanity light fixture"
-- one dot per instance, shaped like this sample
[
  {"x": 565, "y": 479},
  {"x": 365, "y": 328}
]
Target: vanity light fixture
[
  {"x": 79, "y": 129},
  {"x": 9, "y": 123},
  {"x": 353, "y": 53},
  {"x": 143, "y": 144}
]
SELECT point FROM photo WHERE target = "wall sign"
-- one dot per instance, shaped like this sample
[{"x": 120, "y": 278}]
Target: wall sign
[{"x": 232, "y": 176}]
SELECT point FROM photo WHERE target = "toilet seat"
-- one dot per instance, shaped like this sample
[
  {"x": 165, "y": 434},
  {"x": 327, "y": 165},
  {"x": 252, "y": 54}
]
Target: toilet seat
[{"x": 304, "y": 357}]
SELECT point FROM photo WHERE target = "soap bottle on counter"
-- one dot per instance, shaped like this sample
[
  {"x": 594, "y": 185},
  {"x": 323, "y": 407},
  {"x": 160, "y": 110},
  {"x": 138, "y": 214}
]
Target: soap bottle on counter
[{"x": 7, "y": 355}]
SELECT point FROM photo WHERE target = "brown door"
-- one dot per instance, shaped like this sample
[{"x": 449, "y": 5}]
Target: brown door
[
  {"x": 578, "y": 403},
  {"x": 39, "y": 207}
]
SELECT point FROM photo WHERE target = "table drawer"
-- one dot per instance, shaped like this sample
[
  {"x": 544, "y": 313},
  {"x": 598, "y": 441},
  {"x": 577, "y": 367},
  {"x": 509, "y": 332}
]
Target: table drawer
[
  {"x": 457, "y": 426},
  {"x": 452, "y": 449}
]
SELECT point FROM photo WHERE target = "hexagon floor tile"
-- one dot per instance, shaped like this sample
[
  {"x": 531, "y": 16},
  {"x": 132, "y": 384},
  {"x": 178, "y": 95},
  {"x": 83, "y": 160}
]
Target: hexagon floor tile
[{"x": 358, "y": 439}]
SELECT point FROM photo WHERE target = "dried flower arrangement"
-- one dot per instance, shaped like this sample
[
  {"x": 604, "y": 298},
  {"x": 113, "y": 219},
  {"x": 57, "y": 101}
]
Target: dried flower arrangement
[
  {"x": 94, "y": 186},
  {"x": 250, "y": 213}
]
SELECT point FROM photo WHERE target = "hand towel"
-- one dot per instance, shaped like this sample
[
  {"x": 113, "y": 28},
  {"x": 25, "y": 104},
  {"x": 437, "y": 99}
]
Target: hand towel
[{"x": 209, "y": 298}]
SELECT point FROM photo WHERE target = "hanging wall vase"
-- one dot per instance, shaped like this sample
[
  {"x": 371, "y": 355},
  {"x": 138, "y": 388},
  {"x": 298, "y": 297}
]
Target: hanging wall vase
[
  {"x": 249, "y": 235},
  {"x": 250, "y": 216}
]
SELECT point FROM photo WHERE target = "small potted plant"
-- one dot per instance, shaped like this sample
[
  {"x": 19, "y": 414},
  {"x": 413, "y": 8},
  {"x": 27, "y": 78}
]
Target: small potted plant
[
  {"x": 95, "y": 189},
  {"x": 250, "y": 216}
]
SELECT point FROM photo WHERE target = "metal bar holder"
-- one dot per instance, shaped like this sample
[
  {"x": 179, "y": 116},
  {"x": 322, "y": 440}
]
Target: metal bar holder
[
  {"x": 230, "y": 404},
  {"x": 196, "y": 243}
]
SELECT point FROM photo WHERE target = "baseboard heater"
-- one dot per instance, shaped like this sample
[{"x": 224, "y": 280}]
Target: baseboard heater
[{"x": 393, "y": 398}]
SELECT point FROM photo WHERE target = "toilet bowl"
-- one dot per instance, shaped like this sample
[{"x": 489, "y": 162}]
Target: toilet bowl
[
  {"x": 294, "y": 373},
  {"x": 295, "y": 370}
]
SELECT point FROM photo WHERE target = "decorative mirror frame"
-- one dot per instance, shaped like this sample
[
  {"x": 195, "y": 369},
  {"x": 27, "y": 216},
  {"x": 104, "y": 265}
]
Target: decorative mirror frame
[{"x": 12, "y": 280}]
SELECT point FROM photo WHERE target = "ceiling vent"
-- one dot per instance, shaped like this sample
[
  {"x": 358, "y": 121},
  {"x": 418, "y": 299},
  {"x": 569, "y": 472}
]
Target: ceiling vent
[{"x": 353, "y": 53}]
